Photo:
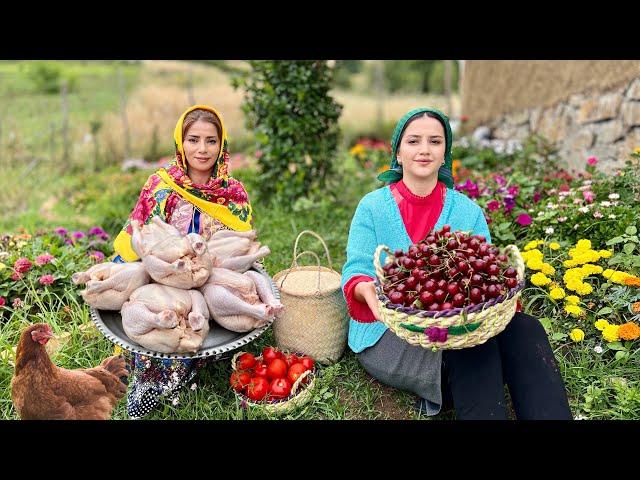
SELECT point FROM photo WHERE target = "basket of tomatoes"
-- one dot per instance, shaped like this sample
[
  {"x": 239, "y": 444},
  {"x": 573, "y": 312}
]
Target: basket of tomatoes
[
  {"x": 276, "y": 381},
  {"x": 452, "y": 290}
]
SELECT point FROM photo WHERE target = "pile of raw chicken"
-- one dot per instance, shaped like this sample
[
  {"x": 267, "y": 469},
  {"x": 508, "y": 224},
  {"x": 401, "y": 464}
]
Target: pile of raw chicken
[{"x": 167, "y": 299}]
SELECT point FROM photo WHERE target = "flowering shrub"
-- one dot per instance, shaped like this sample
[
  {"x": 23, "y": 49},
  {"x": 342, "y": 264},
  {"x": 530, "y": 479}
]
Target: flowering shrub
[
  {"x": 371, "y": 154},
  {"x": 42, "y": 264}
]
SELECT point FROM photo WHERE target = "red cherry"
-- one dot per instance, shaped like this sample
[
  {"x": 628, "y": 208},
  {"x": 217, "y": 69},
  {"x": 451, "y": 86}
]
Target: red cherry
[
  {"x": 511, "y": 283},
  {"x": 458, "y": 300},
  {"x": 411, "y": 283},
  {"x": 475, "y": 295},
  {"x": 396, "y": 297},
  {"x": 434, "y": 260},
  {"x": 426, "y": 298},
  {"x": 446, "y": 306},
  {"x": 510, "y": 272},
  {"x": 440, "y": 295},
  {"x": 453, "y": 289}
]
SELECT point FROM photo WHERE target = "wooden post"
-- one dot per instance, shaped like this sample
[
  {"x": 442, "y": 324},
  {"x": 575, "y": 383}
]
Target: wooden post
[
  {"x": 192, "y": 98},
  {"x": 123, "y": 113},
  {"x": 65, "y": 123},
  {"x": 447, "y": 86},
  {"x": 379, "y": 83},
  {"x": 52, "y": 143}
]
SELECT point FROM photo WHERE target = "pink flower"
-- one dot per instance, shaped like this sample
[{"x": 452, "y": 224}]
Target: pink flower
[
  {"x": 2, "y": 302},
  {"x": 588, "y": 196},
  {"x": 61, "y": 231},
  {"x": 16, "y": 276},
  {"x": 17, "y": 302},
  {"x": 78, "y": 235},
  {"x": 436, "y": 334},
  {"x": 44, "y": 259},
  {"x": 22, "y": 265},
  {"x": 46, "y": 279},
  {"x": 536, "y": 197},
  {"x": 592, "y": 161},
  {"x": 524, "y": 219},
  {"x": 97, "y": 255},
  {"x": 258, "y": 153},
  {"x": 493, "y": 205},
  {"x": 597, "y": 215},
  {"x": 513, "y": 190}
]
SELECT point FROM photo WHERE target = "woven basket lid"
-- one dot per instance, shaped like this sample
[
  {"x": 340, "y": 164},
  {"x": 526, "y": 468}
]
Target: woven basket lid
[{"x": 304, "y": 281}]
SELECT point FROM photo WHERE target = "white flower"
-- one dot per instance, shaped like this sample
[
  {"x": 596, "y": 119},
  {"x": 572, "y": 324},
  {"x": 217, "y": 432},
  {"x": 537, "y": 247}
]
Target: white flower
[
  {"x": 193, "y": 386},
  {"x": 612, "y": 216},
  {"x": 576, "y": 226},
  {"x": 540, "y": 214},
  {"x": 582, "y": 189},
  {"x": 562, "y": 219},
  {"x": 552, "y": 191},
  {"x": 615, "y": 204},
  {"x": 598, "y": 215},
  {"x": 552, "y": 206},
  {"x": 175, "y": 402},
  {"x": 549, "y": 231},
  {"x": 614, "y": 196},
  {"x": 604, "y": 203},
  {"x": 598, "y": 349},
  {"x": 530, "y": 210},
  {"x": 587, "y": 182},
  {"x": 564, "y": 194},
  {"x": 579, "y": 417},
  {"x": 584, "y": 209},
  {"x": 576, "y": 201}
]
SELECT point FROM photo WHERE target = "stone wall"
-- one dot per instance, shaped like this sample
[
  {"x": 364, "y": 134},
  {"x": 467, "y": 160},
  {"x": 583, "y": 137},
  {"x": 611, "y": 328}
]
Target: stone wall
[{"x": 605, "y": 124}]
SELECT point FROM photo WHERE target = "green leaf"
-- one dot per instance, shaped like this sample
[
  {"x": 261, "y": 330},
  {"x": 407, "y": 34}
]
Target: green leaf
[
  {"x": 558, "y": 336},
  {"x": 616, "y": 346},
  {"x": 621, "y": 355},
  {"x": 604, "y": 311},
  {"x": 628, "y": 248},
  {"x": 546, "y": 323},
  {"x": 614, "y": 241},
  {"x": 632, "y": 230}
]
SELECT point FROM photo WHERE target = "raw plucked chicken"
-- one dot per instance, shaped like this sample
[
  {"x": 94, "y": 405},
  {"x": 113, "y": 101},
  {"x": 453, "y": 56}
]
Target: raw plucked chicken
[
  {"x": 236, "y": 251},
  {"x": 166, "y": 319},
  {"x": 238, "y": 301},
  {"x": 170, "y": 258},
  {"x": 109, "y": 284}
]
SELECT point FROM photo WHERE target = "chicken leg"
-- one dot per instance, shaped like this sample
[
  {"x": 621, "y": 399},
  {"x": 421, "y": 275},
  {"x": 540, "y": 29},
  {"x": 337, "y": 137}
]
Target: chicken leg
[
  {"x": 265, "y": 292},
  {"x": 243, "y": 263}
]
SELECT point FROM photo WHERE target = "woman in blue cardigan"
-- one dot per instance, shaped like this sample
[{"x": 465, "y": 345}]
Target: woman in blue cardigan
[{"x": 419, "y": 197}]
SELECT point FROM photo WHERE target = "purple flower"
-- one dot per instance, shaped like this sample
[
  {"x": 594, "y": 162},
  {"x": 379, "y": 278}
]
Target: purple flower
[
  {"x": 500, "y": 180},
  {"x": 96, "y": 231},
  {"x": 514, "y": 190},
  {"x": 436, "y": 334},
  {"x": 536, "y": 197},
  {"x": 61, "y": 231},
  {"x": 68, "y": 241},
  {"x": 104, "y": 236},
  {"x": 509, "y": 203},
  {"x": 524, "y": 219},
  {"x": 44, "y": 259},
  {"x": 97, "y": 255},
  {"x": 493, "y": 205},
  {"x": 78, "y": 235}
]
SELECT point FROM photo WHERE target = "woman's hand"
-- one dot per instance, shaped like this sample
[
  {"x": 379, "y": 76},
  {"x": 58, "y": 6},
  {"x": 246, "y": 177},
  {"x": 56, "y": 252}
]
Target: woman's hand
[{"x": 366, "y": 292}]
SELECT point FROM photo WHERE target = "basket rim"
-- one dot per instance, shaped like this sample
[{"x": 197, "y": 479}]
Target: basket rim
[
  {"x": 314, "y": 293},
  {"x": 384, "y": 301}
]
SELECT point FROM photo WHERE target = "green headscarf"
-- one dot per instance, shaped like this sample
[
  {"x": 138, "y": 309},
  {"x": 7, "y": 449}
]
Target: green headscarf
[{"x": 394, "y": 173}]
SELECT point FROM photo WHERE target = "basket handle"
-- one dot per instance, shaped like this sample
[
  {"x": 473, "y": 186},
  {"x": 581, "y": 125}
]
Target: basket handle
[
  {"x": 295, "y": 263},
  {"x": 513, "y": 252},
  {"x": 296, "y": 384},
  {"x": 376, "y": 261},
  {"x": 326, "y": 250}
]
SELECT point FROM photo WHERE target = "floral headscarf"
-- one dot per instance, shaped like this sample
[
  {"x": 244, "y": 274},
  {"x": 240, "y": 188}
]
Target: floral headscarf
[
  {"x": 394, "y": 173},
  {"x": 222, "y": 197}
]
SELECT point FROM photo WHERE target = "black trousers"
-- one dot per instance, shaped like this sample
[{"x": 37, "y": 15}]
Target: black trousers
[{"x": 520, "y": 357}]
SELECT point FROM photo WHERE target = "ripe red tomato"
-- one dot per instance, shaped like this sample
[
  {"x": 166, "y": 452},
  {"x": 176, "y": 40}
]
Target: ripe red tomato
[
  {"x": 280, "y": 388},
  {"x": 307, "y": 362},
  {"x": 260, "y": 370},
  {"x": 239, "y": 380},
  {"x": 245, "y": 361},
  {"x": 269, "y": 354},
  {"x": 258, "y": 388},
  {"x": 277, "y": 369},
  {"x": 295, "y": 371},
  {"x": 291, "y": 359}
]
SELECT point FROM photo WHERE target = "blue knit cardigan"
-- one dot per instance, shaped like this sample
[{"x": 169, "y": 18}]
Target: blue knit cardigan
[{"x": 378, "y": 221}]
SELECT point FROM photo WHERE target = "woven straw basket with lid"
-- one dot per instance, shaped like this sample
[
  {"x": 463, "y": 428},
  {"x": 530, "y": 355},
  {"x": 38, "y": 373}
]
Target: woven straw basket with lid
[{"x": 314, "y": 321}]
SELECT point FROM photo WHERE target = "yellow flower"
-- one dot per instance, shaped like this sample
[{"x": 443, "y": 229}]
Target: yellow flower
[
  {"x": 584, "y": 289},
  {"x": 357, "y": 149},
  {"x": 636, "y": 150},
  {"x": 601, "y": 324},
  {"x": 572, "y": 299},
  {"x": 583, "y": 245},
  {"x": 557, "y": 293},
  {"x": 576, "y": 335},
  {"x": 534, "y": 264},
  {"x": 117, "y": 350},
  {"x": 610, "y": 333},
  {"x": 605, "y": 253},
  {"x": 383, "y": 168},
  {"x": 548, "y": 269},
  {"x": 533, "y": 244},
  {"x": 540, "y": 279},
  {"x": 574, "y": 310},
  {"x": 2, "y": 266},
  {"x": 569, "y": 263},
  {"x": 607, "y": 273},
  {"x": 554, "y": 246}
]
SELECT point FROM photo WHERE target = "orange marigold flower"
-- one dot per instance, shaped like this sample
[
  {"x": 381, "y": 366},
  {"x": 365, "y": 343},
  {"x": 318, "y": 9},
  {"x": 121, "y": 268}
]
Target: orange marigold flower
[
  {"x": 635, "y": 308},
  {"x": 629, "y": 331},
  {"x": 632, "y": 281}
]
